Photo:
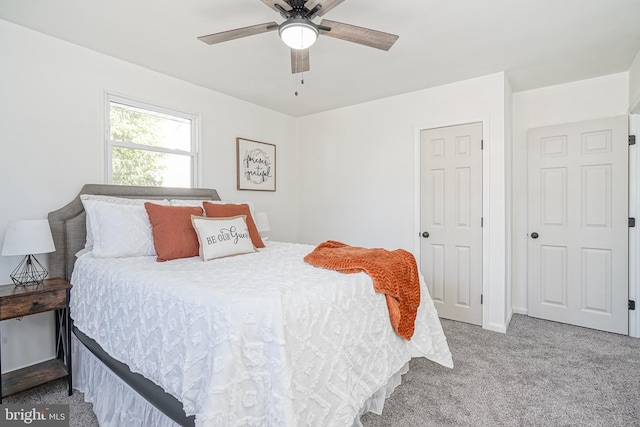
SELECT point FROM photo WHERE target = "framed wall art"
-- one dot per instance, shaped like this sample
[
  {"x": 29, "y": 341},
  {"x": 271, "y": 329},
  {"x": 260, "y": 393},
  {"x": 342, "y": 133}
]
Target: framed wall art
[{"x": 256, "y": 165}]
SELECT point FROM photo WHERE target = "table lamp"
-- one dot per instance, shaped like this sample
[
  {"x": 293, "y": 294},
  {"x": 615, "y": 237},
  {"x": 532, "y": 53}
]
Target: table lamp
[
  {"x": 262, "y": 224},
  {"x": 27, "y": 238}
]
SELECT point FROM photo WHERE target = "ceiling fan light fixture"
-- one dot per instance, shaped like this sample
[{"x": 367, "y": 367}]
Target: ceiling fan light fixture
[{"x": 298, "y": 33}]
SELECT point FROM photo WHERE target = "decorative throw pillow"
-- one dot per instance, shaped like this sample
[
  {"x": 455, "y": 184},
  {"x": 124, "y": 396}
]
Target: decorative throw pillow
[
  {"x": 217, "y": 210},
  {"x": 119, "y": 230},
  {"x": 229, "y": 202},
  {"x": 221, "y": 237},
  {"x": 173, "y": 233}
]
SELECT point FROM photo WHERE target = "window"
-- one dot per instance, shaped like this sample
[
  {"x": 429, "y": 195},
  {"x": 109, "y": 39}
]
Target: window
[{"x": 149, "y": 145}]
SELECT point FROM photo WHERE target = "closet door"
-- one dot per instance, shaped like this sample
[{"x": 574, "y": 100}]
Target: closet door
[
  {"x": 578, "y": 224},
  {"x": 451, "y": 220}
]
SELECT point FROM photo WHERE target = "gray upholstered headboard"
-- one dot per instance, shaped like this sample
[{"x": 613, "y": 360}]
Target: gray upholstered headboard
[{"x": 68, "y": 224}]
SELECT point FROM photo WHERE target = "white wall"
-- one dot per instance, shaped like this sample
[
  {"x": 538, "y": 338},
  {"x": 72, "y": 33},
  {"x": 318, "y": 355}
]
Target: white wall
[
  {"x": 634, "y": 84},
  {"x": 357, "y": 173},
  {"x": 52, "y": 124},
  {"x": 508, "y": 132},
  {"x": 571, "y": 102}
]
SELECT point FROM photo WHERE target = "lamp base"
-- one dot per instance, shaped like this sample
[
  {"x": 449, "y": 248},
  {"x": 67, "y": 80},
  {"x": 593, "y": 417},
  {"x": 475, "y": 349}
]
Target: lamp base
[{"x": 28, "y": 272}]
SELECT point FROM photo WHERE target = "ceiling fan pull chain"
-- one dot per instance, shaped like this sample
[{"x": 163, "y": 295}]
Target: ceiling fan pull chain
[{"x": 301, "y": 82}]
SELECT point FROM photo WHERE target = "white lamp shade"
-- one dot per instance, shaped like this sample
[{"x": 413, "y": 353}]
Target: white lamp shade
[
  {"x": 27, "y": 238},
  {"x": 298, "y": 33},
  {"x": 262, "y": 222}
]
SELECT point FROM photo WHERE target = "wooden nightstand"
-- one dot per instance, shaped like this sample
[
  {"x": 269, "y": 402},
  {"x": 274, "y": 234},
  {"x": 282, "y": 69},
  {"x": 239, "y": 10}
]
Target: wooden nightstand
[{"x": 19, "y": 301}]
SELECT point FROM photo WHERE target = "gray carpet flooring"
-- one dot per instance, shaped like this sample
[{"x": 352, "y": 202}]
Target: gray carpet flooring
[{"x": 539, "y": 373}]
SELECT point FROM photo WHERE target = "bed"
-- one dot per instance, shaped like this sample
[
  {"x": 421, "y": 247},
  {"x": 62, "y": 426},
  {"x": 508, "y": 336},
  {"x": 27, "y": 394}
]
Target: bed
[{"x": 256, "y": 339}]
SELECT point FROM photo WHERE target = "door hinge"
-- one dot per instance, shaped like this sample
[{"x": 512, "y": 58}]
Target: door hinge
[
  {"x": 632, "y": 304},
  {"x": 632, "y": 140},
  {"x": 481, "y": 299},
  {"x": 632, "y": 222},
  {"x": 482, "y": 144},
  {"x": 481, "y": 221}
]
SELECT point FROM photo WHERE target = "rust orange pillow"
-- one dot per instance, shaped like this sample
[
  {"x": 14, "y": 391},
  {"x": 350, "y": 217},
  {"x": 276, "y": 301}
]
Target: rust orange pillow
[
  {"x": 216, "y": 210},
  {"x": 173, "y": 233}
]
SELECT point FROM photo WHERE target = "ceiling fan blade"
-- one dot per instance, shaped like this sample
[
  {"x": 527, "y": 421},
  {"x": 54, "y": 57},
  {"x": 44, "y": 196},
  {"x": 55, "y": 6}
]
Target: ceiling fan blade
[
  {"x": 360, "y": 35},
  {"x": 299, "y": 60},
  {"x": 238, "y": 33},
  {"x": 327, "y": 5},
  {"x": 272, "y": 4}
]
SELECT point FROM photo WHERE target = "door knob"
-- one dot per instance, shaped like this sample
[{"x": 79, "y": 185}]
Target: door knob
[
  {"x": 425, "y": 234},
  {"x": 534, "y": 235}
]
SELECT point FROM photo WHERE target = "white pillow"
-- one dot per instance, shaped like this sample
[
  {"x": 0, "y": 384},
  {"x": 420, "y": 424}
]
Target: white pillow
[
  {"x": 109, "y": 199},
  {"x": 187, "y": 202},
  {"x": 221, "y": 237},
  {"x": 119, "y": 230}
]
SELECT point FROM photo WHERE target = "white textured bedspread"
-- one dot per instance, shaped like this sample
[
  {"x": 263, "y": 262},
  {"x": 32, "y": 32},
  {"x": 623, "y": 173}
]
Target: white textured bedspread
[{"x": 258, "y": 339}]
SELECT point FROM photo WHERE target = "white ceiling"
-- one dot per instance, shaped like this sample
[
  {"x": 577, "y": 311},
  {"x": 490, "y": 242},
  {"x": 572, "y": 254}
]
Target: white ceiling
[{"x": 537, "y": 42}]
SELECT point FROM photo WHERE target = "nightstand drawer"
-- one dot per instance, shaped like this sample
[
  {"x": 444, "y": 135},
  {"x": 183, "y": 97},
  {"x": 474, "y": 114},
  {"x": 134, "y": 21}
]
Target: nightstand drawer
[{"x": 24, "y": 305}]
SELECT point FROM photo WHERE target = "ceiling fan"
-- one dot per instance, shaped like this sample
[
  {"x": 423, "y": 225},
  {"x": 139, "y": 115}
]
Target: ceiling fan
[{"x": 299, "y": 32}]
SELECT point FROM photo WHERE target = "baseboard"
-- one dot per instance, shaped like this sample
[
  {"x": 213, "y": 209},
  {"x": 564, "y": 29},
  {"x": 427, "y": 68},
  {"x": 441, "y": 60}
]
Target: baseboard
[
  {"x": 520, "y": 310},
  {"x": 497, "y": 328}
]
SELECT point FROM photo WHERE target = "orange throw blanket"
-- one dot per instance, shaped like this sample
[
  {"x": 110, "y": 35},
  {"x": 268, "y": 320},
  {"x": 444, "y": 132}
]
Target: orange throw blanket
[{"x": 394, "y": 274}]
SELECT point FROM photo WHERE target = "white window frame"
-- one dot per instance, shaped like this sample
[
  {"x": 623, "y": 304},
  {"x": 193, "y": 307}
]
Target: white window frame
[{"x": 110, "y": 144}]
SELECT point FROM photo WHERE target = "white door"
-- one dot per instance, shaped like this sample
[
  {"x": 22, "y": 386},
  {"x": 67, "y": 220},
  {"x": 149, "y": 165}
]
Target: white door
[
  {"x": 451, "y": 219},
  {"x": 578, "y": 224}
]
